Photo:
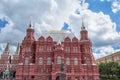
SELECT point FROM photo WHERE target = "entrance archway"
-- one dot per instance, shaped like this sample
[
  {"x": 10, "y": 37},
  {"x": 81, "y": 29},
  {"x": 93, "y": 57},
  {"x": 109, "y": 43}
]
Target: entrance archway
[{"x": 58, "y": 78}]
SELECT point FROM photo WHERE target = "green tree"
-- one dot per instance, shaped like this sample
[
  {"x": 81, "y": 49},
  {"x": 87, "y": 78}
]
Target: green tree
[{"x": 109, "y": 70}]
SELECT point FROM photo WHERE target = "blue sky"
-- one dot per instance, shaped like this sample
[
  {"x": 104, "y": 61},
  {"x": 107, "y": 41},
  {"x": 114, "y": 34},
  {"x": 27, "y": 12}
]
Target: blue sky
[
  {"x": 3, "y": 23},
  {"x": 105, "y": 7},
  {"x": 101, "y": 19}
]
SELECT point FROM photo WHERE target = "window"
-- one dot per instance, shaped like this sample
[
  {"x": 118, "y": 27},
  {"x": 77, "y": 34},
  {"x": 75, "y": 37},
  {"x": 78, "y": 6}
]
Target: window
[
  {"x": 48, "y": 48},
  {"x": 68, "y": 61},
  {"x": 75, "y": 61},
  {"x": 59, "y": 60},
  {"x": 88, "y": 50},
  {"x": 116, "y": 58},
  {"x": 39, "y": 78},
  {"x": 26, "y": 61},
  {"x": 40, "y": 61},
  {"x": 41, "y": 48},
  {"x": 27, "y": 49},
  {"x": 67, "y": 49},
  {"x": 88, "y": 61},
  {"x": 75, "y": 49},
  {"x": 48, "y": 61}
]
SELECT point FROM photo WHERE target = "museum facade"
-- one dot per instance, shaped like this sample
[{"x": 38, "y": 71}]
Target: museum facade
[{"x": 41, "y": 59}]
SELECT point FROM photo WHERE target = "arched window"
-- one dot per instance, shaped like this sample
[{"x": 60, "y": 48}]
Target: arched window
[
  {"x": 40, "y": 61},
  {"x": 59, "y": 60},
  {"x": 88, "y": 50},
  {"x": 26, "y": 61},
  {"x": 75, "y": 61},
  {"x": 67, "y": 49},
  {"x": 27, "y": 49},
  {"x": 68, "y": 61},
  {"x": 49, "y": 48},
  {"x": 48, "y": 61},
  {"x": 88, "y": 60},
  {"x": 75, "y": 49},
  {"x": 41, "y": 48}
]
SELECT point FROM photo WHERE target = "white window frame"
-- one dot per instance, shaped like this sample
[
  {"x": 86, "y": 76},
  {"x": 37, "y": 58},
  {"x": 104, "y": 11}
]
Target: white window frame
[
  {"x": 88, "y": 61},
  {"x": 75, "y": 49},
  {"x": 26, "y": 61},
  {"x": 59, "y": 61},
  {"x": 28, "y": 49},
  {"x": 40, "y": 61},
  {"x": 49, "y": 48},
  {"x": 68, "y": 61},
  {"x": 41, "y": 48},
  {"x": 67, "y": 49},
  {"x": 48, "y": 61},
  {"x": 75, "y": 61}
]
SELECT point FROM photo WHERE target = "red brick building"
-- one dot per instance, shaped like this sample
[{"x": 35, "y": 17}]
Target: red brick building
[
  {"x": 9, "y": 60},
  {"x": 41, "y": 59}
]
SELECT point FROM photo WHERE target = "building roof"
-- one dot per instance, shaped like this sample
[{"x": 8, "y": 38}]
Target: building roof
[
  {"x": 7, "y": 49},
  {"x": 109, "y": 55},
  {"x": 58, "y": 35}
]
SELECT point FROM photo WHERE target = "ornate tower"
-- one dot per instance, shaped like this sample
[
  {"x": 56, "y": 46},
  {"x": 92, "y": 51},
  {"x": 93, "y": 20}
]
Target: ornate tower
[
  {"x": 28, "y": 46},
  {"x": 7, "y": 49},
  {"x": 84, "y": 32},
  {"x": 18, "y": 49},
  {"x": 86, "y": 46}
]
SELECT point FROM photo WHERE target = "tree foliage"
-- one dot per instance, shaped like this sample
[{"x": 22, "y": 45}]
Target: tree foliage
[{"x": 110, "y": 69}]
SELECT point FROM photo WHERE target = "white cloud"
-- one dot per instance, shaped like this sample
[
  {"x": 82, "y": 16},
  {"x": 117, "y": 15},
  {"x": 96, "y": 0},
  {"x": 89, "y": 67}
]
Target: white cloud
[
  {"x": 51, "y": 14},
  {"x": 47, "y": 15},
  {"x": 102, "y": 30},
  {"x": 104, "y": 51},
  {"x": 116, "y": 6},
  {"x": 102, "y": 0}
]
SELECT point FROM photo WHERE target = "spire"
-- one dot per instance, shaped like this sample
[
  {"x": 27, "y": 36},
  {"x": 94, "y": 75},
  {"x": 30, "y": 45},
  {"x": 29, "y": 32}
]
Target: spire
[
  {"x": 18, "y": 48},
  {"x": 7, "y": 49},
  {"x": 83, "y": 27},
  {"x": 30, "y": 26}
]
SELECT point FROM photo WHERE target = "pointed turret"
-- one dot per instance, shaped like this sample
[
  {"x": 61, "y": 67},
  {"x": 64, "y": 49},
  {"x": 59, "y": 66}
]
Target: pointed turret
[
  {"x": 30, "y": 32},
  {"x": 83, "y": 27},
  {"x": 7, "y": 49},
  {"x": 28, "y": 44},
  {"x": 83, "y": 32},
  {"x": 18, "y": 49},
  {"x": 30, "y": 26}
]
